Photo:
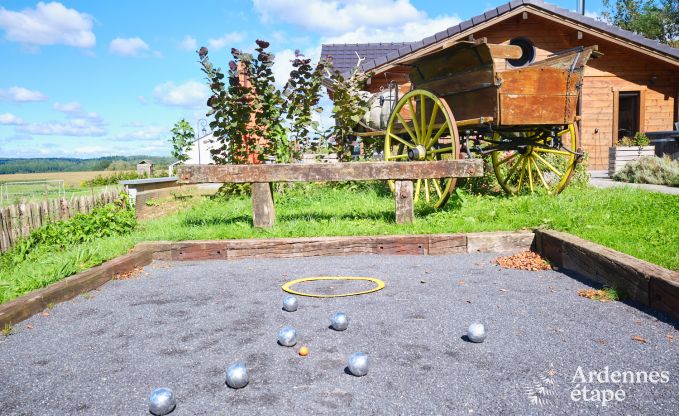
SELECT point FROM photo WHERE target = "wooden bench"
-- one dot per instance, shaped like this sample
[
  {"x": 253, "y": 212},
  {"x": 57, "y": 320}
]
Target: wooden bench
[{"x": 262, "y": 176}]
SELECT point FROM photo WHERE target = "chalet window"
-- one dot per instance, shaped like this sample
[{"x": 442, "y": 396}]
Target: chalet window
[{"x": 527, "y": 52}]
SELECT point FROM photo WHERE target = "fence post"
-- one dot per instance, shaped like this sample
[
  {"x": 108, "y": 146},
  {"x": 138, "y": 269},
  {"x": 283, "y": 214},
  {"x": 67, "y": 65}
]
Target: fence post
[
  {"x": 4, "y": 244},
  {"x": 64, "y": 209},
  {"x": 11, "y": 216},
  {"x": 23, "y": 223}
]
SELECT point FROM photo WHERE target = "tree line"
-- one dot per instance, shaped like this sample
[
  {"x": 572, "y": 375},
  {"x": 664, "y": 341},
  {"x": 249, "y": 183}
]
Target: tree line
[{"x": 112, "y": 163}]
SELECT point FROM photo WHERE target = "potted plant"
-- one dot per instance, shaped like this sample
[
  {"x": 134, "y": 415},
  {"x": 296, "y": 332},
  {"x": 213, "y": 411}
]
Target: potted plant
[{"x": 628, "y": 149}]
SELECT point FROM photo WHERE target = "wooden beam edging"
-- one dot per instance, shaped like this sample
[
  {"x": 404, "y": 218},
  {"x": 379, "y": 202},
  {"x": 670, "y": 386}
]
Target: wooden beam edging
[
  {"x": 142, "y": 254},
  {"x": 643, "y": 282},
  {"x": 36, "y": 301},
  {"x": 329, "y": 172}
]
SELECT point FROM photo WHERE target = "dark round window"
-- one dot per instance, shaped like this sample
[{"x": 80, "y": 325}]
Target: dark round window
[{"x": 527, "y": 52}]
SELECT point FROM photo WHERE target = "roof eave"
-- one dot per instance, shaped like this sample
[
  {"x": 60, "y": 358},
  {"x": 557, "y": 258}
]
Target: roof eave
[{"x": 516, "y": 10}]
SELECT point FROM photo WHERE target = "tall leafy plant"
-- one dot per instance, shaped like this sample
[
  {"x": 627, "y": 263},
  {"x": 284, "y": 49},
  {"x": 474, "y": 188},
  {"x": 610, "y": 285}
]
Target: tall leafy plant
[
  {"x": 230, "y": 105},
  {"x": 267, "y": 106},
  {"x": 349, "y": 106},
  {"x": 302, "y": 95},
  {"x": 182, "y": 140},
  {"x": 247, "y": 108}
]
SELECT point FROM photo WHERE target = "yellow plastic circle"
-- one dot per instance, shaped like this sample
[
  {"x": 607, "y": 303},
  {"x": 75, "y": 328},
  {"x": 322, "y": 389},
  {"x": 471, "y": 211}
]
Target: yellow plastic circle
[{"x": 288, "y": 286}]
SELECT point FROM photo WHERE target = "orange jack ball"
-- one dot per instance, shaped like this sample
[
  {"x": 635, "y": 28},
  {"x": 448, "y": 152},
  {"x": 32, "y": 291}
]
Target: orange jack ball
[{"x": 304, "y": 351}]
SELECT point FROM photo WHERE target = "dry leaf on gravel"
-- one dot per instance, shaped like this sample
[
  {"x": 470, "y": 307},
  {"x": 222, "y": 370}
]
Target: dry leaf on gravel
[
  {"x": 29, "y": 326},
  {"x": 526, "y": 260},
  {"x": 639, "y": 339},
  {"x": 134, "y": 273},
  {"x": 597, "y": 294},
  {"x": 45, "y": 313}
]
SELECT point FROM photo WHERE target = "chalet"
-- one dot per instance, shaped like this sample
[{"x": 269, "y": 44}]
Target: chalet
[{"x": 633, "y": 86}]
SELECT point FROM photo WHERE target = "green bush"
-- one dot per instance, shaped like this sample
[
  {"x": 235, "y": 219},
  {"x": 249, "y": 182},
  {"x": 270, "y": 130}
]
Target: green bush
[
  {"x": 102, "y": 180},
  {"x": 108, "y": 220},
  {"x": 650, "y": 169},
  {"x": 639, "y": 139}
]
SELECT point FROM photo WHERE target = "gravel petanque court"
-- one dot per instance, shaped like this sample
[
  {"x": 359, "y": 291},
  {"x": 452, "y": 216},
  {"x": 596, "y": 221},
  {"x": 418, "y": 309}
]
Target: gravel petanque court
[{"x": 179, "y": 325}]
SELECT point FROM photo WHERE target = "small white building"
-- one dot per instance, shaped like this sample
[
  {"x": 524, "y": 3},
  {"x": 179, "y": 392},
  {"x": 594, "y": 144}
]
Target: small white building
[{"x": 199, "y": 154}]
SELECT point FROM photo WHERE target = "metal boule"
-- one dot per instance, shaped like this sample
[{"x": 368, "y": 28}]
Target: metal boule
[
  {"x": 339, "y": 321},
  {"x": 237, "y": 376},
  {"x": 476, "y": 332},
  {"x": 358, "y": 364},
  {"x": 162, "y": 401},
  {"x": 287, "y": 336},
  {"x": 290, "y": 304}
]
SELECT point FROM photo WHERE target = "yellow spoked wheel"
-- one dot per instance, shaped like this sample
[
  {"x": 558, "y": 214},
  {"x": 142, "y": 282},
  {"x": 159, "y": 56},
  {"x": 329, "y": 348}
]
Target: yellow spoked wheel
[
  {"x": 422, "y": 127},
  {"x": 541, "y": 160}
]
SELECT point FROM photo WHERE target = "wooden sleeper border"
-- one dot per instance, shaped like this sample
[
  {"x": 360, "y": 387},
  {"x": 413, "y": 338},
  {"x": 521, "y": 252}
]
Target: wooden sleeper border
[{"x": 645, "y": 283}]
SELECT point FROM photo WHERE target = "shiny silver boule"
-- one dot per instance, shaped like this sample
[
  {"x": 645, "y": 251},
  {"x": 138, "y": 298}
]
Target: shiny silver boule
[
  {"x": 290, "y": 304},
  {"x": 287, "y": 336},
  {"x": 476, "y": 332},
  {"x": 358, "y": 364},
  {"x": 237, "y": 376},
  {"x": 339, "y": 321},
  {"x": 162, "y": 401}
]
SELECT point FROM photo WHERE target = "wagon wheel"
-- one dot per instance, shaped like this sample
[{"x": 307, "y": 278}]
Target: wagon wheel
[
  {"x": 542, "y": 160},
  {"x": 427, "y": 132}
]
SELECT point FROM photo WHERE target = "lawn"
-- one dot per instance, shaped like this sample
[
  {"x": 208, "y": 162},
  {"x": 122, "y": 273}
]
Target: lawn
[{"x": 640, "y": 223}]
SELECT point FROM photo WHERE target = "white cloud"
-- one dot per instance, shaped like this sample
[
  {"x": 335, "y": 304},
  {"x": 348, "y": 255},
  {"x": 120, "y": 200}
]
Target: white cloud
[
  {"x": 188, "y": 44},
  {"x": 70, "y": 127},
  {"x": 48, "y": 24},
  {"x": 128, "y": 46},
  {"x": 68, "y": 108},
  {"x": 337, "y": 17},
  {"x": 593, "y": 15},
  {"x": 144, "y": 133},
  {"x": 225, "y": 41},
  {"x": 404, "y": 32},
  {"x": 22, "y": 95},
  {"x": 191, "y": 94},
  {"x": 356, "y": 21},
  {"x": 9, "y": 119}
]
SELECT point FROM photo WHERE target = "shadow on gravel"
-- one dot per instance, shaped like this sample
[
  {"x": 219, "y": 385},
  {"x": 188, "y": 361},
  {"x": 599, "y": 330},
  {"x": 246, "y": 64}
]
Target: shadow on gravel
[{"x": 596, "y": 285}]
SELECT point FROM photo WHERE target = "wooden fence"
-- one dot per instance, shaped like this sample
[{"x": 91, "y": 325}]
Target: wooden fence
[{"x": 17, "y": 221}]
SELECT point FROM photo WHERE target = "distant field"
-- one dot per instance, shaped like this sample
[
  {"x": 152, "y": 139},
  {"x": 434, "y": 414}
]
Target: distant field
[
  {"x": 73, "y": 179},
  {"x": 40, "y": 191}
]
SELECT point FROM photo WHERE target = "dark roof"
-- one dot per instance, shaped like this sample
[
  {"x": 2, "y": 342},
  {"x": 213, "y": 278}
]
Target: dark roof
[
  {"x": 506, "y": 8},
  {"x": 344, "y": 55}
]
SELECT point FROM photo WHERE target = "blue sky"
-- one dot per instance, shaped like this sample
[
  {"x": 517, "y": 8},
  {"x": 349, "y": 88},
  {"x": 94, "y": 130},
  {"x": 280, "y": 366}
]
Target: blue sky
[{"x": 93, "y": 78}]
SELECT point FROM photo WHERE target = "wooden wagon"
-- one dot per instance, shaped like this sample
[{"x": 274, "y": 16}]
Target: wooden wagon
[{"x": 523, "y": 117}]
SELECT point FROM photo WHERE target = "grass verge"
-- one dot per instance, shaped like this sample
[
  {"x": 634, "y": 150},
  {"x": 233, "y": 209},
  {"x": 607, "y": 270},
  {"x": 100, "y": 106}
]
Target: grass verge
[{"x": 636, "y": 222}]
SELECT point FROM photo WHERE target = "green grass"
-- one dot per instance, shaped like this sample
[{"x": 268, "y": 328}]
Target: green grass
[{"x": 640, "y": 223}]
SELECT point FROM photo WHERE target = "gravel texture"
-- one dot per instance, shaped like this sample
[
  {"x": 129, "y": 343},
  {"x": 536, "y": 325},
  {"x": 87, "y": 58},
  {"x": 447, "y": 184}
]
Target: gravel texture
[{"x": 179, "y": 325}]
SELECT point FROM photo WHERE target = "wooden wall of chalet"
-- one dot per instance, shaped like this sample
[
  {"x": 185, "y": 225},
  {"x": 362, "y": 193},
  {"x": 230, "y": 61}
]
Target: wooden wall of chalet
[{"x": 620, "y": 69}]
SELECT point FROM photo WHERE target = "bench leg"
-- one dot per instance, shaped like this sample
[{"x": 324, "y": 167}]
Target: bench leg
[
  {"x": 263, "y": 213},
  {"x": 404, "y": 202}
]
